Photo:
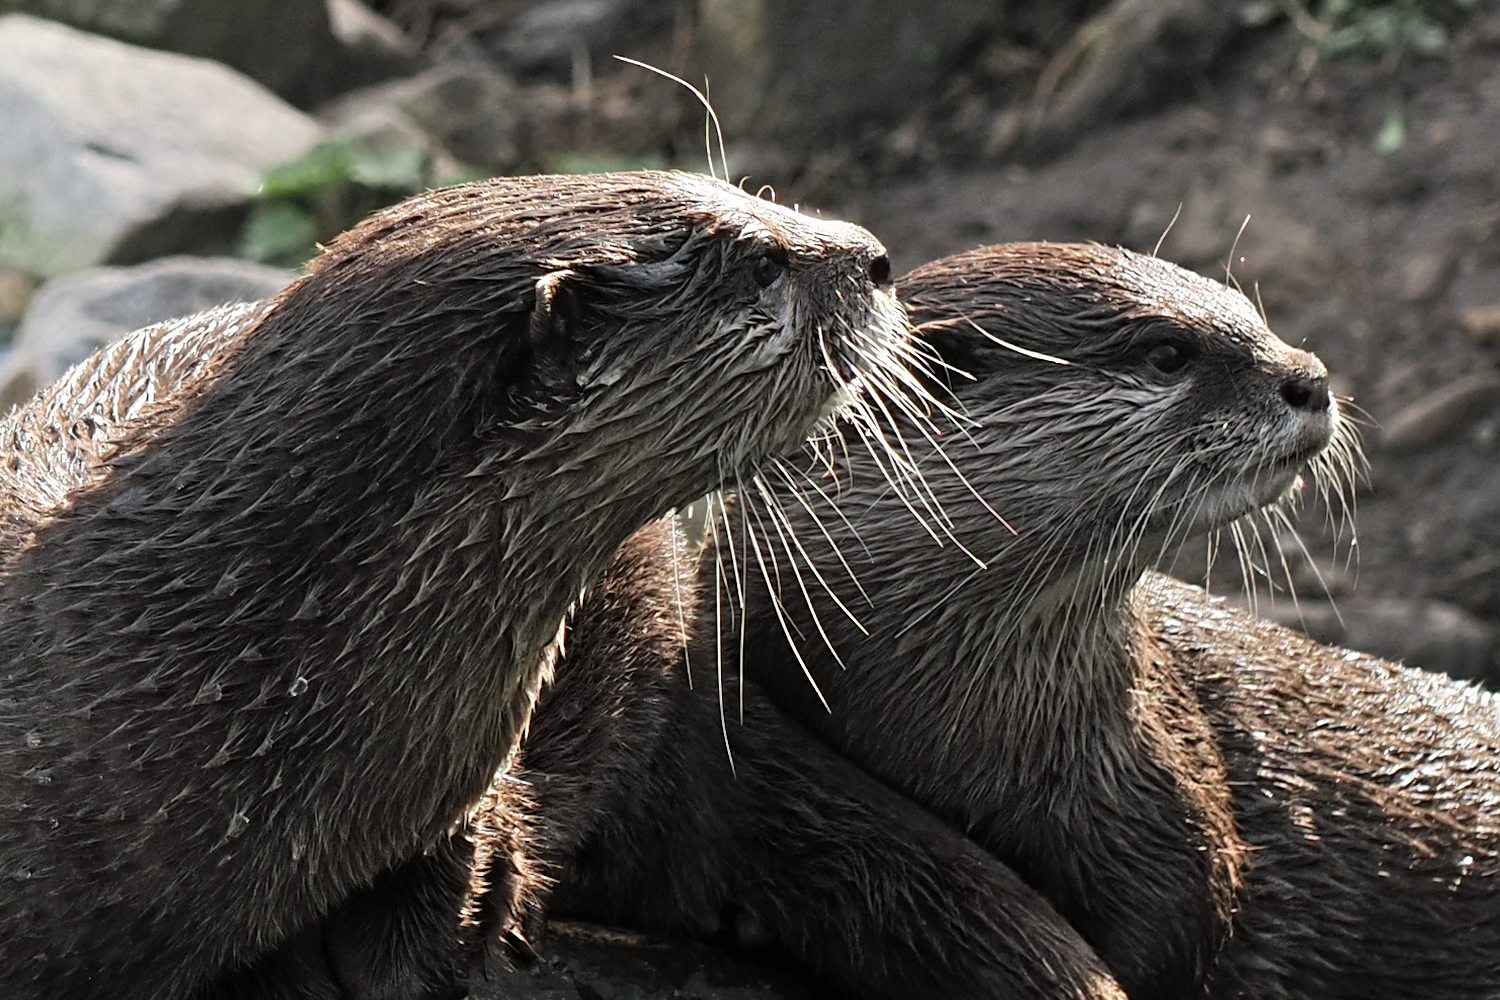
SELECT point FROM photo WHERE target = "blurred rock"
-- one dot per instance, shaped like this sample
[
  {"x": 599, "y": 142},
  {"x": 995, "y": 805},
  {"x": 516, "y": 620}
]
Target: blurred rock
[
  {"x": 16, "y": 289},
  {"x": 805, "y": 71},
  {"x": 1441, "y": 415},
  {"x": 1420, "y": 633},
  {"x": 550, "y": 37},
  {"x": 591, "y": 962},
  {"x": 72, "y": 317},
  {"x": 1132, "y": 53},
  {"x": 1422, "y": 276},
  {"x": 359, "y": 28},
  {"x": 467, "y": 108},
  {"x": 1483, "y": 324},
  {"x": 116, "y": 153},
  {"x": 289, "y": 46}
]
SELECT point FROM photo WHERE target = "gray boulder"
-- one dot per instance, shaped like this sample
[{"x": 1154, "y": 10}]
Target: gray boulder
[
  {"x": 798, "y": 71},
  {"x": 114, "y": 153},
  {"x": 467, "y": 109},
  {"x": 304, "y": 50},
  {"x": 72, "y": 317}
]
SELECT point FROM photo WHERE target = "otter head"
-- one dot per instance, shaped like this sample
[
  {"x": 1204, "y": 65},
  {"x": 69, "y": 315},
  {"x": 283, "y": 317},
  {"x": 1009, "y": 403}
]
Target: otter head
[
  {"x": 1122, "y": 403},
  {"x": 650, "y": 334}
]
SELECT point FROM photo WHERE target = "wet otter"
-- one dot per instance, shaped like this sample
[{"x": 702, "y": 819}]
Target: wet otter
[
  {"x": 274, "y": 614},
  {"x": 1219, "y": 806}
]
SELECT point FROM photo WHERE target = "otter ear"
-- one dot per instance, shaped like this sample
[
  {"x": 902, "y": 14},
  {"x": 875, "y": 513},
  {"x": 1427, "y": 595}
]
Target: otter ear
[{"x": 556, "y": 309}]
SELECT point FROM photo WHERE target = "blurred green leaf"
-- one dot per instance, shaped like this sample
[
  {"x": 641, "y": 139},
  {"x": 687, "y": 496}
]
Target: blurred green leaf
[
  {"x": 595, "y": 163},
  {"x": 279, "y": 232},
  {"x": 1259, "y": 13},
  {"x": 322, "y": 167},
  {"x": 1392, "y": 134},
  {"x": 399, "y": 168}
]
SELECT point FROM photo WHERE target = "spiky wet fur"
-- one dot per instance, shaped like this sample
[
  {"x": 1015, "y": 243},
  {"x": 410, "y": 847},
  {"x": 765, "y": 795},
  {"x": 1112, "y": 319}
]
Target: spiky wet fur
[{"x": 274, "y": 614}]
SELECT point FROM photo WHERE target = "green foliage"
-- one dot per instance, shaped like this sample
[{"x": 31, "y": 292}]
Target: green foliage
[
  {"x": 602, "y": 163},
  {"x": 1372, "y": 27},
  {"x": 1392, "y": 134},
  {"x": 319, "y": 195}
]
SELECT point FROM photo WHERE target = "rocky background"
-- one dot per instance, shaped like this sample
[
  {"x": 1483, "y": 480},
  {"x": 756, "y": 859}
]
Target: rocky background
[{"x": 161, "y": 156}]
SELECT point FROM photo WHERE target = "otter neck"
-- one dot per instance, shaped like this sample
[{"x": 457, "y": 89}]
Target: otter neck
[{"x": 1009, "y": 683}]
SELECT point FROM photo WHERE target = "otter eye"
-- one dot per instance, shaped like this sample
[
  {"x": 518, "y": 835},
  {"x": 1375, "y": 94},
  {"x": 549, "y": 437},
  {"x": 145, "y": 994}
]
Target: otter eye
[
  {"x": 880, "y": 269},
  {"x": 768, "y": 267},
  {"x": 1168, "y": 357}
]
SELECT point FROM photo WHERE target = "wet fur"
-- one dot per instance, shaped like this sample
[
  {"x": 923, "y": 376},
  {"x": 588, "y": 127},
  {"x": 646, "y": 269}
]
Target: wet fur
[
  {"x": 648, "y": 818},
  {"x": 280, "y": 583}
]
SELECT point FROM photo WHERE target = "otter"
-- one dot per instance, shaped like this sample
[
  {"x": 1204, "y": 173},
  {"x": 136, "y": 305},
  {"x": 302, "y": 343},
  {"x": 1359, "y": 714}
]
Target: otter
[
  {"x": 1217, "y": 805},
  {"x": 280, "y": 583}
]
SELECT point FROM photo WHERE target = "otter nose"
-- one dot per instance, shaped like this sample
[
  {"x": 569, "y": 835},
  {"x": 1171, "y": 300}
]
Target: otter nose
[{"x": 1304, "y": 393}]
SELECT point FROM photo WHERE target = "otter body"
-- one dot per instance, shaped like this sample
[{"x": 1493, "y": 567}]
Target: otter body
[{"x": 279, "y": 584}]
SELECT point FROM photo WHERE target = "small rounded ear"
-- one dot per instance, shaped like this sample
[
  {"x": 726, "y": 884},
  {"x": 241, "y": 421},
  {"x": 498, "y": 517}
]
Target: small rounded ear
[{"x": 556, "y": 308}]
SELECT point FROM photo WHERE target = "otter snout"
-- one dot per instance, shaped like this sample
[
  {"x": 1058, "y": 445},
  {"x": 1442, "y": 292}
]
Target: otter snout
[{"x": 1302, "y": 392}]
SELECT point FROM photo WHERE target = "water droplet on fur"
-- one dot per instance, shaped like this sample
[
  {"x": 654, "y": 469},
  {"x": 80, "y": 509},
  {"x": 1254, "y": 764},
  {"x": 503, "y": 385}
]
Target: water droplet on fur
[
  {"x": 298, "y": 686},
  {"x": 21, "y": 874},
  {"x": 33, "y": 739},
  {"x": 238, "y": 825},
  {"x": 589, "y": 379}
]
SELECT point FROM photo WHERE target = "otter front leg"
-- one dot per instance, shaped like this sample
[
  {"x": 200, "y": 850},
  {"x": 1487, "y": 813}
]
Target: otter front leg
[{"x": 398, "y": 939}]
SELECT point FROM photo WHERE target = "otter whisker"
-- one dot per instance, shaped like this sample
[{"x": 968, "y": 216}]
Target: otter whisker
[
  {"x": 707, "y": 107},
  {"x": 1229, "y": 278},
  {"x": 787, "y": 627},
  {"x": 788, "y": 544},
  {"x": 793, "y": 547},
  {"x": 719, "y": 653},
  {"x": 833, "y": 545},
  {"x": 1156, "y": 250},
  {"x": 682, "y": 628}
]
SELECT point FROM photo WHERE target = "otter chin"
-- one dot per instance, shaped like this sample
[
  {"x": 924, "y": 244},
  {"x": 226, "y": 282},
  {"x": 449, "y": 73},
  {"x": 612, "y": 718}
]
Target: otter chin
[{"x": 279, "y": 583}]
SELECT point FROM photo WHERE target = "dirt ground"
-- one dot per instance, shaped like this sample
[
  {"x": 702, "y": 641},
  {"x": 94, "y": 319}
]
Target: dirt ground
[{"x": 1373, "y": 191}]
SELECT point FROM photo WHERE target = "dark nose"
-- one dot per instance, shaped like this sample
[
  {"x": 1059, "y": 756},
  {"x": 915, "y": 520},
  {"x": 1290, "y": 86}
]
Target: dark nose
[{"x": 1303, "y": 393}]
